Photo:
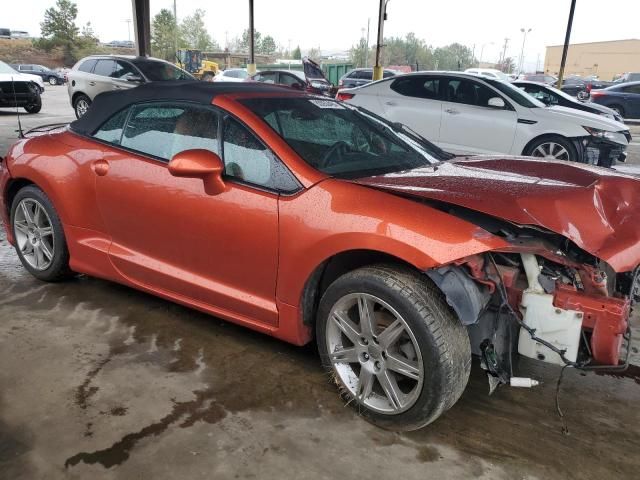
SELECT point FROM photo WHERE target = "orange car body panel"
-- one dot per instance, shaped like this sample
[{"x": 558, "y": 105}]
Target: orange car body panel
[{"x": 243, "y": 254}]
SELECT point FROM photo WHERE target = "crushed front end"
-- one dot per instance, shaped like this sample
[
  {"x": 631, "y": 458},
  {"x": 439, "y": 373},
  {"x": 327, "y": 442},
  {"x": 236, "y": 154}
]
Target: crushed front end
[
  {"x": 603, "y": 148},
  {"x": 544, "y": 298}
]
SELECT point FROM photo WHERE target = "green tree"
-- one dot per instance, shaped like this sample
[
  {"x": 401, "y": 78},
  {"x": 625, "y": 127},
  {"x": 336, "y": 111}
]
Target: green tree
[
  {"x": 194, "y": 34},
  {"x": 244, "y": 41},
  {"x": 163, "y": 34},
  {"x": 359, "y": 53},
  {"x": 314, "y": 54},
  {"x": 453, "y": 57},
  {"x": 297, "y": 54},
  {"x": 59, "y": 22},
  {"x": 507, "y": 65},
  {"x": 268, "y": 45}
]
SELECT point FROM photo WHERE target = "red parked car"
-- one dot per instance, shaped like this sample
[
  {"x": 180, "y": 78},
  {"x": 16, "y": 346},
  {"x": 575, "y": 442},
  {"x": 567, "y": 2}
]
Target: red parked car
[{"x": 302, "y": 217}]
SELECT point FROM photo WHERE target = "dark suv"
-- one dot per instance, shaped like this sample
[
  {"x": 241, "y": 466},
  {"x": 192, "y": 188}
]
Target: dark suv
[
  {"x": 361, "y": 76},
  {"x": 102, "y": 73},
  {"x": 48, "y": 75}
]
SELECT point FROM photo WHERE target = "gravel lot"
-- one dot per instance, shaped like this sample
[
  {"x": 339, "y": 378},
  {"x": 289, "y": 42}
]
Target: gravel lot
[{"x": 101, "y": 381}]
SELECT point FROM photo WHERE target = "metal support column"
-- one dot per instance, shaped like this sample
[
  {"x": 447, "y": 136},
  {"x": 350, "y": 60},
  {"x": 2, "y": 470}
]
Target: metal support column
[
  {"x": 382, "y": 16},
  {"x": 251, "y": 66},
  {"x": 565, "y": 48},
  {"x": 142, "y": 27}
]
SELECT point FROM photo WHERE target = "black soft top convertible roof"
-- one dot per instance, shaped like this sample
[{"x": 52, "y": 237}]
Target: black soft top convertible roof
[{"x": 106, "y": 104}]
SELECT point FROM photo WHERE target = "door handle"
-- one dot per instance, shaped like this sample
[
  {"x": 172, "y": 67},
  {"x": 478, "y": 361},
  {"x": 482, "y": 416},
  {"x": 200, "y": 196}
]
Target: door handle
[
  {"x": 100, "y": 167},
  {"x": 452, "y": 111},
  {"x": 93, "y": 84},
  {"x": 391, "y": 104}
]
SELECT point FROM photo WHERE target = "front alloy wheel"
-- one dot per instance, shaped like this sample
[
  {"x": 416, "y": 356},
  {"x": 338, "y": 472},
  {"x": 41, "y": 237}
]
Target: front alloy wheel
[
  {"x": 393, "y": 346},
  {"x": 374, "y": 353}
]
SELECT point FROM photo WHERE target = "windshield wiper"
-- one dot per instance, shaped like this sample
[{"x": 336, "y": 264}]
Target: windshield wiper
[{"x": 401, "y": 127}]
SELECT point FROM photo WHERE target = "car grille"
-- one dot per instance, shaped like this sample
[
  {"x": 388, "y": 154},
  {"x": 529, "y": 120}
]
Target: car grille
[{"x": 20, "y": 87}]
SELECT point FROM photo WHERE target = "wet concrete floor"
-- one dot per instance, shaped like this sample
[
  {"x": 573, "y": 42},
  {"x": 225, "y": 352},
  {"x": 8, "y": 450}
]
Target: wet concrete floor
[{"x": 100, "y": 381}]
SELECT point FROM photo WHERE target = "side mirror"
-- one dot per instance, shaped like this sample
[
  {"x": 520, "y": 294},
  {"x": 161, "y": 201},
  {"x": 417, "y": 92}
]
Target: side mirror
[
  {"x": 199, "y": 163},
  {"x": 496, "y": 102},
  {"x": 135, "y": 78}
]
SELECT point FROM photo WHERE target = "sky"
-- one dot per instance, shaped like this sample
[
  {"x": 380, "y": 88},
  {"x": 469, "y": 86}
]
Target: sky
[{"x": 336, "y": 25}]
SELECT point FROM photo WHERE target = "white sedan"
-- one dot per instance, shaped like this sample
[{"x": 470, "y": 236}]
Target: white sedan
[
  {"x": 467, "y": 114},
  {"x": 231, "y": 75}
]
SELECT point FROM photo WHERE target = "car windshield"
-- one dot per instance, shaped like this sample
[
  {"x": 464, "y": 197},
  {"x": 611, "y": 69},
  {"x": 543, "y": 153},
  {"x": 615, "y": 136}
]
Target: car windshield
[
  {"x": 342, "y": 140},
  {"x": 502, "y": 76},
  {"x": 562, "y": 94},
  {"x": 4, "y": 68},
  {"x": 515, "y": 94},
  {"x": 162, "y": 71}
]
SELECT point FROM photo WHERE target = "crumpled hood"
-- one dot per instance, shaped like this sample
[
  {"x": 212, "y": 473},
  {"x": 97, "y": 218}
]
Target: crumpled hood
[{"x": 598, "y": 209}]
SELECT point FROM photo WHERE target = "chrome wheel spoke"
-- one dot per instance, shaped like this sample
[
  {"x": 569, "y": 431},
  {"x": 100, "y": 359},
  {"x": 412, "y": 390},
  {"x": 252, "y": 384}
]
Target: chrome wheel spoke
[
  {"x": 403, "y": 366},
  {"x": 562, "y": 153},
  {"x": 38, "y": 257},
  {"x": 365, "y": 384},
  {"x": 344, "y": 355},
  {"x": 48, "y": 254},
  {"x": 22, "y": 226},
  {"x": 367, "y": 320},
  {"x": 36, "y": 215},
  {"x": 46, "y": 231},
  {"x": 26, "y": 213},
  {"x": 390, "y": 334},
  {"x": 390, "y": 388},
  {"x": 346, "y": 326},
  {"x": 541, "y": 151}
]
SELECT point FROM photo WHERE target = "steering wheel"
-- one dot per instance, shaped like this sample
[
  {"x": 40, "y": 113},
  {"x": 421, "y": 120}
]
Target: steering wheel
[{"x": 339, "y": 149}]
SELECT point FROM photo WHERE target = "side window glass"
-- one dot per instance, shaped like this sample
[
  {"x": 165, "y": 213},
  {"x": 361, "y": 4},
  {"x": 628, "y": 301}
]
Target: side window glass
[
  {"x": 111, "y": 130},
  {"x": 248, "y": 160},
  {"x": 123, "y": 70},
  {"x": 87, "y": 65},
  {"x": 419, "y": 87},
  {"x": 266, "y": 77},
  {"x": 104, "y": 68},
  {"x": 468, "y": 92},
  {"x": 289, "y": 80},
  {"x": 163, "y": 130}
]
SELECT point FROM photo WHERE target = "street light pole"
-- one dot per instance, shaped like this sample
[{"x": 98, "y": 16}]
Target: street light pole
[
  {"x": 175, "y": 31},
  {"x": 382, "y": 16},
  {"x": 524, "y": 38},
  {"x": 251, "y": 66},
  {"x": 366, "y": 47}
]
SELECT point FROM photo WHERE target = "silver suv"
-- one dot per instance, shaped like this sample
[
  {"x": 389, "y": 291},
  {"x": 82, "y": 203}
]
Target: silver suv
[{"x": 101, "y": 73}]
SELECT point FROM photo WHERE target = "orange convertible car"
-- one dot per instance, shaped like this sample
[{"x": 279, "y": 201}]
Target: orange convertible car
[{"x": 301, "y": 217}]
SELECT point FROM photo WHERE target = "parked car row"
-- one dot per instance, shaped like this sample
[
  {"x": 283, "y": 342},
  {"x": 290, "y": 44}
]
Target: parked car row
[
  {"x": 50, "y": 76},
  {"x": 19, "y": 90}
]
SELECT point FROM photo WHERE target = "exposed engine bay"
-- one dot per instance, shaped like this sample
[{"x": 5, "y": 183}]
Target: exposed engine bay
[{"x": 542, "y": 297}]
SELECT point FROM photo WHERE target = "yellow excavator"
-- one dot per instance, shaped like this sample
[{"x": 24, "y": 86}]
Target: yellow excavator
[{"x": 192, "y": 62}]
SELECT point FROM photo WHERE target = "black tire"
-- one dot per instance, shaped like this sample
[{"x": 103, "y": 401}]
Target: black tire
[
  {"x": 617, "y": 108},
  {"x": 530, "y": 150},
  {"x": 59, "y": 268},
  {"x": 444, "y": 342},
  {"x": 34, "y": 107},
  {"x": 52, "y": 81},
  {"x": 79, "y": 106}
]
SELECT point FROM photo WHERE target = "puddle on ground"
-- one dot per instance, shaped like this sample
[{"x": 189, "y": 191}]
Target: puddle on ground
[{"x": 233, "y": 371}]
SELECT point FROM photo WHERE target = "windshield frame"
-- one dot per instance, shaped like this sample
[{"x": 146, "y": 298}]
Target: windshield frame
[
  {"x": 515, "y": 94},
  {"x": 423, "y": 153}
]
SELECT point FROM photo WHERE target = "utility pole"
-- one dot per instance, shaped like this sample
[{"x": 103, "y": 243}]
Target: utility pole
[
  {"x": 251, "y": 67},
  {"x": 128, "y": 21},
  {"x": 175, "y": 31},
  {"x": 565, "y": 48},
  {"x": 382, "y": 16},
  {"x": 366, "y": 48},
  {"x": 503, "y": 57},
  {"x": 524, "y": 38}
]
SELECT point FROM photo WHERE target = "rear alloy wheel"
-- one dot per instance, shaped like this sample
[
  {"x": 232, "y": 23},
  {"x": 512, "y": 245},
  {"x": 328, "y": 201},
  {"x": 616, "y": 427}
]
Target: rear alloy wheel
[
  {"x": 393, "y": 346},
  {"x": 553, "y": 148},
  {"x": 39, "y": 237},
  {"x": 81, "y": 105},
  {"x": 618, "y": 109},
  {"x": 53, "y": 81}
]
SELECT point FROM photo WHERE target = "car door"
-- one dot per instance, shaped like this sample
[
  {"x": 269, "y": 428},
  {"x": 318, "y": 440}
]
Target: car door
[
  {"x": 100, "y": 79},
  {"x": 124, "y": 75},
  {"x": 168, "y": 234},
  {"x": 631, "y": 101},
  {"x": 469, "y": 124},
  {"x": 415, "y": 101}
]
